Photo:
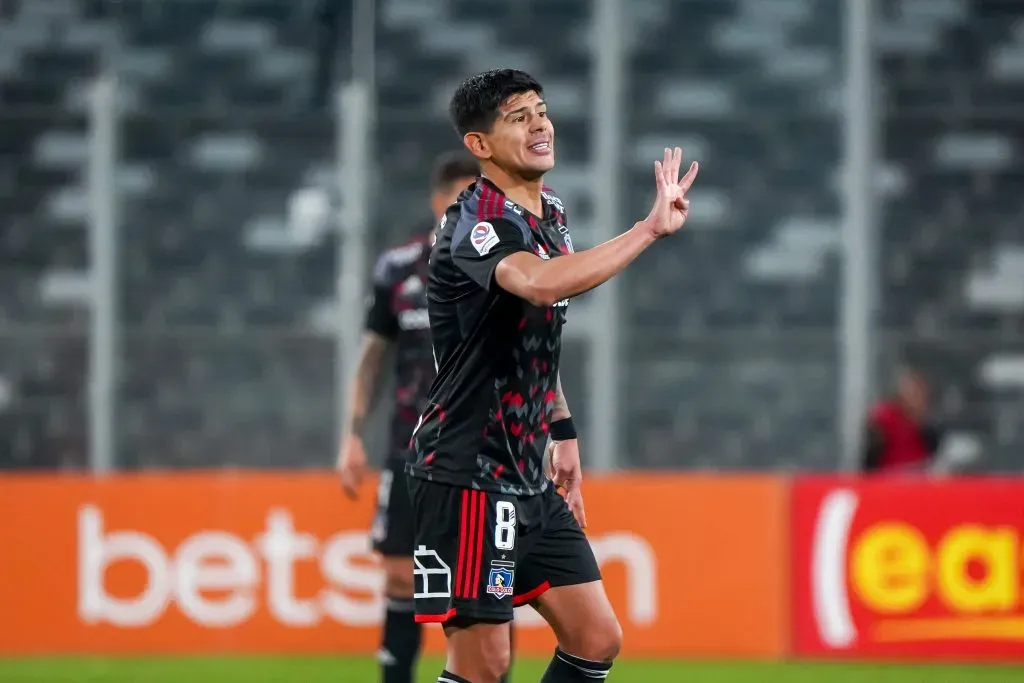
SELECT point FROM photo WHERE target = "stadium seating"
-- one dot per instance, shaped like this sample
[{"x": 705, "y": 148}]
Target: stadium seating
[{"x": 731, "y": 348}]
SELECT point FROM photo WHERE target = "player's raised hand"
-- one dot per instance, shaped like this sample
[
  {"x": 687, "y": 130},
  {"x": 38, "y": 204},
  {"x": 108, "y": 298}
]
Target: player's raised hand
[
  {"x": 352, "y": 466},
  {"x": 671, "y": 207},
  {"x": 566, "y": 473}
]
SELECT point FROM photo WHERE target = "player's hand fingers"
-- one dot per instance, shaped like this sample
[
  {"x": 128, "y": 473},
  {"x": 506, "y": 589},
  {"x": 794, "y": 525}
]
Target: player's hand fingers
[
  {"x": 659, "y": 176},
  {"x": 690, "y": 176},
  {"x": 350, "y": 479},
  {"x": 677, "y": 162},
  {"x": 575, "y": 501}
]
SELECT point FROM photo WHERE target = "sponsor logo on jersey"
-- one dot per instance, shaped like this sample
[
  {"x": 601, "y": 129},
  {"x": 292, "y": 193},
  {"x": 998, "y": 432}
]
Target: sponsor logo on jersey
[
  {"x": 553, "y": 201},
  {"x": 414, "y": 319},
  {"x": 542, "y": 252},
  {"x": 565, "y": 236},
  {"x": 512, "y": 206},
  {"x": 483, "y": 238}
]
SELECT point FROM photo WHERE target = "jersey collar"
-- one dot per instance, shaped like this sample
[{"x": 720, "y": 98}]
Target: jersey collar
[{"x": 545, "y": 206}]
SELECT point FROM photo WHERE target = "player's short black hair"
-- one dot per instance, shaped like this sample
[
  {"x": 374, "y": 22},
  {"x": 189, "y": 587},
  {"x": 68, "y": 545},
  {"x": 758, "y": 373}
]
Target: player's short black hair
[
  {"x": 475, "y": 104},
  {"x": 451, "y": 166}
]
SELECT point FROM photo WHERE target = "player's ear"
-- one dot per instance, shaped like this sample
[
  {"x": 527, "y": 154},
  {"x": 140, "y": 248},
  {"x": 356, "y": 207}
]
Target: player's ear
[{"x": 477, "y": 145}]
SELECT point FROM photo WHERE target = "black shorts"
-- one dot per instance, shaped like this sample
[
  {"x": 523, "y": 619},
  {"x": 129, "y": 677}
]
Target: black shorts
[
  {"x": 392, "y": 530},
  {"x": 479, "y": 554}
]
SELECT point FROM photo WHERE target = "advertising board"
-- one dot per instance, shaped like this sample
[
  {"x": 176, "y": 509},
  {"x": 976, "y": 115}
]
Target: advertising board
[{"x": 278, "y": 562}]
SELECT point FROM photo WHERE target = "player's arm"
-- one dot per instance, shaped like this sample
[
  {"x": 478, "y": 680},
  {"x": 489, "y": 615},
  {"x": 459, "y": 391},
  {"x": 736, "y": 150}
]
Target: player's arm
[
  {"x": 363, "y": 387},
  {"x": 542, "y": 283},
  {"x": 362, "y": 391},
  {"x": 381, "y": 328},
  {"x": 561, "y": 410},
  {"x": 563, "y": 452},
  {"x": 496, "y": 254}
]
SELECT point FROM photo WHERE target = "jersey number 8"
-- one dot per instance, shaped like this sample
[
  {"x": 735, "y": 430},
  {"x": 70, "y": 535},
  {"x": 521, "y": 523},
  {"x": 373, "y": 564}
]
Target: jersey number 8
[{"x": 505, "y": 528}]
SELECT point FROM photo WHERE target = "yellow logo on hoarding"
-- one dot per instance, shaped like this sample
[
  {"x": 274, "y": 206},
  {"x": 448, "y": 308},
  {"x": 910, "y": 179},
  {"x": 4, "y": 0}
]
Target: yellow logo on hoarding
[{"x": 973, "y": 571}]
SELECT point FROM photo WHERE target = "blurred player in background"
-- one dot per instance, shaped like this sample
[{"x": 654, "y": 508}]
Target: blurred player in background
[
  {"x": 490, "y": 530},
  {"x": 397, "y": 321}
]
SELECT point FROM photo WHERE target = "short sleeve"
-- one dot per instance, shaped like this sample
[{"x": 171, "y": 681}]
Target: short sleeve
[
  {"x": 380, "y": 317},
  {"x": 478, "y": 250}
]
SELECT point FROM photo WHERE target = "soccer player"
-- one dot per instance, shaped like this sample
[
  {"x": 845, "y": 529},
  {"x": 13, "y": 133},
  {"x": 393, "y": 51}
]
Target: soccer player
[
  {"x": 397, "y": 318},
  {"x": 491, "y": 532}
]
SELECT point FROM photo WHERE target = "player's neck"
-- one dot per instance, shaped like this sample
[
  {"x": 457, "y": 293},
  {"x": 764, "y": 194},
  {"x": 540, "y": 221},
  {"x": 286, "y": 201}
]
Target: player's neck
[{"x": 525, "y": 193}]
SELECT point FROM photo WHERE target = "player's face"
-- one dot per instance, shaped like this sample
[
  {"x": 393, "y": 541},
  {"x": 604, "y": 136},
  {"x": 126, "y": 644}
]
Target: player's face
[
  {"x": 522, "y": 140},
  {"x": 441, "y": 199}
]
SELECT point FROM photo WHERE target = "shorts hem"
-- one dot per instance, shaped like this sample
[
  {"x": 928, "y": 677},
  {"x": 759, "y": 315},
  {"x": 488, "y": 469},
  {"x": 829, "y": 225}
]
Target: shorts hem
[
  {"x": 531, "y": 595},
  {"x": 574, "y": 582},
  {"x": 534, "y": 593},
  {"x": 434, "y": 618},
  {"x": 469, "y": 615}
]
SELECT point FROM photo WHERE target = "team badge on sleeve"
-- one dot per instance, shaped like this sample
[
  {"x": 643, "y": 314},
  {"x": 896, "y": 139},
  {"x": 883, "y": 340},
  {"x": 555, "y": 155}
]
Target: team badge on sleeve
[{"x": 483, "y": 237}]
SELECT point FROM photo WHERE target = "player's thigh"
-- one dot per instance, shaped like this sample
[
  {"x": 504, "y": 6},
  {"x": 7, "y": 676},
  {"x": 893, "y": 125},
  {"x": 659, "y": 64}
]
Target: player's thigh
[
  {"x": 560, "y": 577},
  {"x": 583, "y": 620},
  {"x": 463, "y": 555}
]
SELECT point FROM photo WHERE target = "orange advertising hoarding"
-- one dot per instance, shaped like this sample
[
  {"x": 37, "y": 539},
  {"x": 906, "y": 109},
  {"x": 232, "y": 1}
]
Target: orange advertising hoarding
[{"x": 275, "y": 562}]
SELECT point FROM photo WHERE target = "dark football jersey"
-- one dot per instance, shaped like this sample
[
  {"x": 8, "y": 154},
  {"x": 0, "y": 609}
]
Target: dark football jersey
[
  {"x": 486, "y": 421},
  {"x": 398, "y": 312}
]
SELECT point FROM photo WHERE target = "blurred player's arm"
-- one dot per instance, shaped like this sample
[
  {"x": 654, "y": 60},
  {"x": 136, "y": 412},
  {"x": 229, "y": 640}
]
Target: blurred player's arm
[
  {"x": 363, "y": 388},
  {"x": 352, "y": 461},
  {"x": 381, "y": 328}
]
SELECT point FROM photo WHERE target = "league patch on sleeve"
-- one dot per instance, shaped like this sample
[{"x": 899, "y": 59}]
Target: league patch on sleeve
[{"x": 483, "y": 237}]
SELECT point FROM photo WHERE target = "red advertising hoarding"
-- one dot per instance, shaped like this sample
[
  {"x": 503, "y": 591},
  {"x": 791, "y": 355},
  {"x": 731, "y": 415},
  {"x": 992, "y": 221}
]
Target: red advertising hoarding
[{"x": 908, "y": 568}]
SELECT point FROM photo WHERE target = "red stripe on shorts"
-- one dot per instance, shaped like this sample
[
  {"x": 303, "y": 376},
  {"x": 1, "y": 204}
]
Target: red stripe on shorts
[
  {"x": 475, "y": 509},
  {"x": 481, "y": 518},
  {"x": 463, "y": 529}
]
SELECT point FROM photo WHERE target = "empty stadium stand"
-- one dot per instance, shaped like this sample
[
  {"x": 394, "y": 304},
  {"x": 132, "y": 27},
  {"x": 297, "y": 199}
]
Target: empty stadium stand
[{"x": 731, "y": 357}]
